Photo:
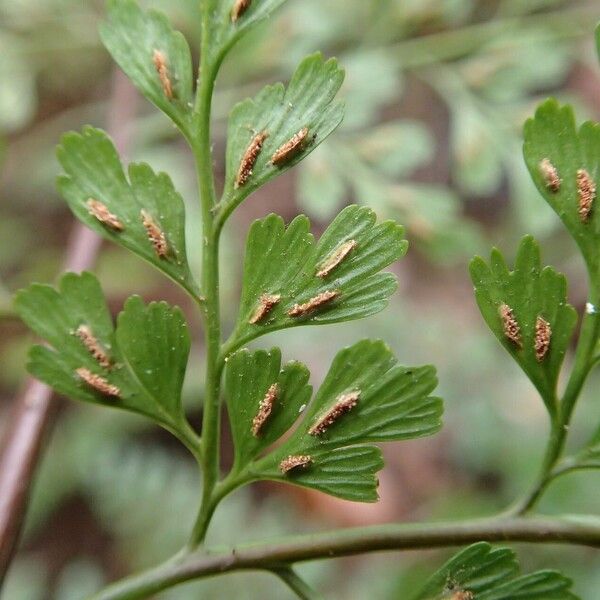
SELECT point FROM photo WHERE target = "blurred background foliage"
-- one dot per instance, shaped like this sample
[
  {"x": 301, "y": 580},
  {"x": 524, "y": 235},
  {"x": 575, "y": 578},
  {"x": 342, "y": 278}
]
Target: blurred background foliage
[{"x": 436, "y": 92}]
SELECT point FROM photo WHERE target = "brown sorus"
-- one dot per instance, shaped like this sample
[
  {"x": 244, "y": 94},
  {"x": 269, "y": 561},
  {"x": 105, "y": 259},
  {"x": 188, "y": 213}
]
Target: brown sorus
[
  {"x": 249, "y": 159},
  {"x": 299, "y": 310},
  {"x": 84, "y": 333},
  {"x": 543, "y": 335},
  {"x": 290, "y": 148},
  {"x": 550, "y": 174},
  {"x": 344, "y": 404},
  {"x": 586, "y": 190},
  {"x": 510, "y": 325},
  {"x": 155, "y": 234},
  {"x": 100, "y": 211},
  {"x": 98, "y": 383},
  {"x": 265, "y": 408},
  {"x": 336, "y": 257},
  {"x": 160, "y": 62},
  {"x": 266, "y": 304},
  {"x": 239, "y": 8},
  {"x": 295, "y": 461}
]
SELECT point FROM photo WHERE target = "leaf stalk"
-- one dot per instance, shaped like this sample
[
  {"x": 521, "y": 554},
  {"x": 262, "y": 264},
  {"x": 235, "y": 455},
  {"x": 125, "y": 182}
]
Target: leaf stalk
[
  {"x": 211, "y": 422},
  {"x": 584, "y": 362}
]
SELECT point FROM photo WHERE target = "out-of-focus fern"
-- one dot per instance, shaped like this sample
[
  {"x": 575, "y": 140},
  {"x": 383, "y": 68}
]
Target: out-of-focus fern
[
  {"x": 92, "y": 455},
  {"x": 488, "y": 78}
]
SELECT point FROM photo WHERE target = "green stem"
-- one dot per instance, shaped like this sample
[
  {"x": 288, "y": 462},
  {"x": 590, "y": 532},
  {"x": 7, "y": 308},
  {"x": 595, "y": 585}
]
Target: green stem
[
  {"x": 584, "y": 360},
  {"x": 211, "y": 421},
  {"x": 553, "y": 451},
  {"x": 274, "y": 554},
  {"x": 190, "y": 439},
  {"x": 297, "y": 584},
  {"x": 571, "y": 465}
]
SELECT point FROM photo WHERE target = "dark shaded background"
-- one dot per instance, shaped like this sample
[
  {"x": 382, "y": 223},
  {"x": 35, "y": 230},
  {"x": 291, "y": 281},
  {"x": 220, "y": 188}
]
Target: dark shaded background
[{"x": 436, "y": 91}]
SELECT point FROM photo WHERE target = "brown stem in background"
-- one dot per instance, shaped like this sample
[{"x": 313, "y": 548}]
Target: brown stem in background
[{"x": 31, "y": 417}]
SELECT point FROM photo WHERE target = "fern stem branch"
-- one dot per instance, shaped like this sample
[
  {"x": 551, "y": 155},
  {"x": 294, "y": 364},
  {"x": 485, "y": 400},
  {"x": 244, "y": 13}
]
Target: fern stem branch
[
  {"x": 584, "y": 361},
  {"x": 297, "y": 584},
  {"x": 584, "y": 358},
  {"x": 272, "y": 555}
]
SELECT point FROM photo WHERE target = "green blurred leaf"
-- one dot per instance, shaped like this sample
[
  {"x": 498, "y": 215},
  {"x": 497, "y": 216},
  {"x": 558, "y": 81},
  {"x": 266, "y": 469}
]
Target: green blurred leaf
[
  {"x": 531, "y": 293},
  {"x": 321, "y": 189},
  {"x": 552, "y": 136},
  {"x": 387, "y": 402},
  {"x": 18, "y": 94},
  {"x": 348, "y": 473},
  {"x": 308, "y": 103},
  {"x": 132, "y": 37},
  {"x": 284, "y": 262},
  {"x": 491, "y": 574},
  {"x": 478, "y": 165},
  {"x": 80, "y": 578},
  {"x": 397, "y": 148},
  {"x": 27, "y": 579},
  {"x": 374, "y": 80},
  {"x": 144, "y": 361},
  {"x": 434, "y": 217},
  {"x": 94, "y": 171}
]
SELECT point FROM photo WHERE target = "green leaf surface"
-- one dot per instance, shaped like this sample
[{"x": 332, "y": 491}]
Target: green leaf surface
[
  {"x": 93, "y": 170},
  {"x": 284, "y": 261},
  {"x": 477, "y": 160},
  {"x": 155, "y": 344},
  {"x": 487, "y": 573},
  {"x": 144, "y": 359},
  {"x": 393, "y": 403},
  {"x": 132, "y": 37},
  {"x": 308, "y": 102},
  {"x": 374, "y": 81},
  {"x": 348, "y": 473},
  {"x": 530, "y": 292},
  {"x": 249, "y": 376},
  {"x": 552, "y": 135}
]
